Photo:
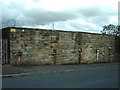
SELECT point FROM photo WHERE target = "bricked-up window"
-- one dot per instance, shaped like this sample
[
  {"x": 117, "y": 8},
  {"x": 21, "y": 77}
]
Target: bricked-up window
[
  {"x": 54, "y": 39},
  {"x": 44, "y": 35},
  {"x": 45, "y": 44},
  {"x": 78, "y": 39}
]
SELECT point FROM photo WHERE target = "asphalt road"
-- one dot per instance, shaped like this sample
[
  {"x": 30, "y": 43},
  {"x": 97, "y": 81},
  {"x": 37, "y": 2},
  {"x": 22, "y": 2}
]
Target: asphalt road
[{"x": 106, "y": 77}]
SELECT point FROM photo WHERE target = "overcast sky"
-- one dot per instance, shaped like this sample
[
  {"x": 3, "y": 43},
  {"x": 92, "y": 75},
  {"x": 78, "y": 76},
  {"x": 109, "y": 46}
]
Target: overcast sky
[{"x": 71, "y": 15}]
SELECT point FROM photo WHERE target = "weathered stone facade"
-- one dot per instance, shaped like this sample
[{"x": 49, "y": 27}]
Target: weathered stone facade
[{"x": 38, "y": 45}]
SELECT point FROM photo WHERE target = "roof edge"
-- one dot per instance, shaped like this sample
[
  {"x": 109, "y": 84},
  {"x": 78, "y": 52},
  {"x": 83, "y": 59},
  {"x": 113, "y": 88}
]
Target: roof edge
[{"x": 55, "y": 30}]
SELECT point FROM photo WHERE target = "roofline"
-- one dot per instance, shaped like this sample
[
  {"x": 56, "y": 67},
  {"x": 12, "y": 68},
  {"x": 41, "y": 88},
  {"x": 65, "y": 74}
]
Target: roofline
[{"x": 56, "y": 30}]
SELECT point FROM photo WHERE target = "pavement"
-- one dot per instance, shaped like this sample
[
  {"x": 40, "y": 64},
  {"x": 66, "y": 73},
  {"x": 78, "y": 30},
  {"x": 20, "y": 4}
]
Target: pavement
[
  {"x": 15, "y": 71},
  {"x": 103, "y": 76}
]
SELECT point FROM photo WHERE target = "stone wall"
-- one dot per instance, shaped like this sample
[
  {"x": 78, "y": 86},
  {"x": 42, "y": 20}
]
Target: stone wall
[
  {"x": 92, "y": 42},
  {"x": 38, "y": 45}
]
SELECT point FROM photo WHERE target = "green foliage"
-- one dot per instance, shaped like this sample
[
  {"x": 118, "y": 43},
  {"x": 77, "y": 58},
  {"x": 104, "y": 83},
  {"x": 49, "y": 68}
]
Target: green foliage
[{"x": 111, "y": 29}]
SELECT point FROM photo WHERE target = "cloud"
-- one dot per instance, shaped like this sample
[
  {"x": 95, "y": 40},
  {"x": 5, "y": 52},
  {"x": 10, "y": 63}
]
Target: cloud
[
  {"x": 82, "y": 25},
  {"x": 67, "y": 14},
  {"x": 97, "y": 11},
  {"x": 41, "y": 15}
]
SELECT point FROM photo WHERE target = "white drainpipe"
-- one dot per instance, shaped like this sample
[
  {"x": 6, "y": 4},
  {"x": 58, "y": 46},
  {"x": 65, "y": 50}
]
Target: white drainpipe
[{"x": 97, "y": 54}]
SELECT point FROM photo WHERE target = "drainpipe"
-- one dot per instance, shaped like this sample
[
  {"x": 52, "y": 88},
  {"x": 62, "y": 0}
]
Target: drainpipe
[
  {"x": 6, "y": 51},
  {"x": 80, "y": 55},
  {"x": 97, "y": 54},
  {"x": 110, "y": 53},
  {"x": 1, "y": 51},
  {"x": 19, "y": 54},
  {"x": 54, "y": 56}
]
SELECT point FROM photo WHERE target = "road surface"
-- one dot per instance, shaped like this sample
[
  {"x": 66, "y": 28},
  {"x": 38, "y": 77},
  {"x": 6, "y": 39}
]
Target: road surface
[{"x": 105, "y": 77}]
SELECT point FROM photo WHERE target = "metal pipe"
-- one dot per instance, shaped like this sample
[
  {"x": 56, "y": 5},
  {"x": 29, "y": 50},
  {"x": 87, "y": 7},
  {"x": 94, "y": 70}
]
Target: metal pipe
[
  {"x": 1, "y": 51},
  {"x": 110, "y": 53},
  {"x": 54, "y": 56},
  {"x": 6, "y": 52},
  {"x": 80, "y": 55},
  {"x": 97, "y": 54}
]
